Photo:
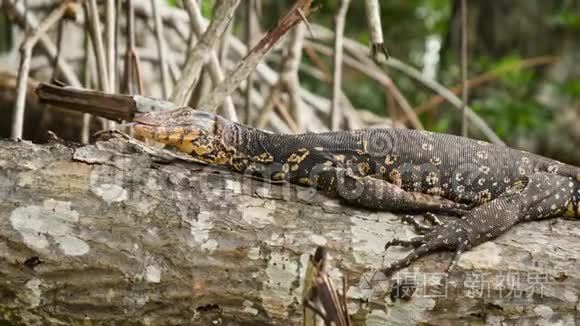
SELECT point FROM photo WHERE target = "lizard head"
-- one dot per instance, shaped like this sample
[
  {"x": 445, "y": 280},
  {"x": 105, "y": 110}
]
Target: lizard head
[
  {"x": 190, "y": 131},
  {"x": 184, "y": 116}
]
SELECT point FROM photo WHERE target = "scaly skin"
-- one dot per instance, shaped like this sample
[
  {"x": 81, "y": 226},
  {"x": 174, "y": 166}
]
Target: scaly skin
[{"x": 492, "y": 187}]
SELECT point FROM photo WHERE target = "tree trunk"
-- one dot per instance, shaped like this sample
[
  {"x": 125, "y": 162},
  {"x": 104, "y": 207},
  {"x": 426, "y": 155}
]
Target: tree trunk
[{"x": 104, "y": 234}]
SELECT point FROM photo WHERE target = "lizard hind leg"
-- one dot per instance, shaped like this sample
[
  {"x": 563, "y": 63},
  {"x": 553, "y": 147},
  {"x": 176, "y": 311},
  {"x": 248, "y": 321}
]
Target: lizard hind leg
[{"x": 481, "y": 224}]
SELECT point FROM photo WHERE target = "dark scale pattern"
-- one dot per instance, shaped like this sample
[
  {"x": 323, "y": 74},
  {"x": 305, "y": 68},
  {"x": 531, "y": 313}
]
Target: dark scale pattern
[
  {"x": 468, "y": 171},
  {"x": 492, "y": 187},
  {"x": 408, "y": 170}
]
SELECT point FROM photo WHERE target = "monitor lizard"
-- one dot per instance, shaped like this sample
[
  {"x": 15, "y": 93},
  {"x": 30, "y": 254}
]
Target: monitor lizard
[{"x": 490, "y": 187}]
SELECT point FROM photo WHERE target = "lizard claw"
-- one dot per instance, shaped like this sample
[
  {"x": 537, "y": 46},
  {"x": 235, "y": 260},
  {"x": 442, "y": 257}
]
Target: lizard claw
[
  {"x": 421, "y": 227},
  {"x": 451, "y": 235},
  {"x": 433, "y": 219},
  {"x": 415, "y": 242}
]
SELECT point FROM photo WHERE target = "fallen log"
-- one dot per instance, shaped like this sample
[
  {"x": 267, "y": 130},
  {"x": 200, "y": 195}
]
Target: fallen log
[{"x": 105, "y": 234}]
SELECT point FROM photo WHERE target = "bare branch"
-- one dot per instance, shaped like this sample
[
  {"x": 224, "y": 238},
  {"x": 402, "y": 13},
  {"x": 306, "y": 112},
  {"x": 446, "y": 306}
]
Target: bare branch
[
  {"x": 289, "y": 74},
  {"x": 285, "y": 115},
  {"x": 356, "y": 48},
  {"x": 88, "y": 73},
  {"x": 24, "y": 67},
  {"x": 465, "y": 90},
  {"x": 249, "y": 39},
  {"x": 95, "y": 26},
  {"x": 288, "y": 81},
  {"x": 215, "y": 70},
  {"x": 339, "y": 22},
  {"x": 268, "y": 106},
  {"x": 59, "y": 33},
  {"x": 200, "y": 54},
  {"x": 161, "y": 49},
  {"x": 249, "y": 63},
  {"x": 132, "y": 62},
  {"x": 29, "y": 21},
  {"x": 110, "y": 43},
  {"x": 372, "y": 70},
  {"x": 373, "y": 11},
  {"x": 223, "y": 49}
]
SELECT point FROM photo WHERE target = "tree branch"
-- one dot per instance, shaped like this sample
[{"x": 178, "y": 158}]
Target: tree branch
[
  {"x": 464, "y": 72},
  {"x": 249, "y": 63},
  {"x": 95, "y": 28},
  {"x": 202, "y": 51},
  {"x": 24, "y": 67},
  {"x": 161, "y": 49},
  {"x": 214, "y": 68},
  {"x": 339, "y": 22}
]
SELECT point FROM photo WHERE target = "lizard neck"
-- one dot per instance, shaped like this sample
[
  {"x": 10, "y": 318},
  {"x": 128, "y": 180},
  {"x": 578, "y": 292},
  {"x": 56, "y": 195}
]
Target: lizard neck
[
  {"x": 248, "y": 147},
  {"x": 233, "y": 145}
]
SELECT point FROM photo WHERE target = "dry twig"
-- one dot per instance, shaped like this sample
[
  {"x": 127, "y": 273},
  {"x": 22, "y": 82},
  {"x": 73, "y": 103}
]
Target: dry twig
[
  {"x": 356, "y": 48},
  {"x": 215, "y": 70},
  {"x": 373, "y": 11},
  {"x": 465, "y": 89},
  {"x": 249, "y": 63},
  {"x": 339, "y": 22},
  {"x": 110, "y": 43},
  {"x": 268, "y": 106},
  {"x": 27, "y": 20},
  {"x": 250, "y": 37},
  {"x": 161, "y": 49},
  {"x": 373, "y": 71},
  {"x": 289, "y": 74},
  {"x": 95, "y": 29},
  {"x": 132, "y": 62},
  {"x": 24, "y": 67},
  {"x": 201, "y": 52},
  {"x": 285, "y": 115},
  {"x": 55, "y": 70}
]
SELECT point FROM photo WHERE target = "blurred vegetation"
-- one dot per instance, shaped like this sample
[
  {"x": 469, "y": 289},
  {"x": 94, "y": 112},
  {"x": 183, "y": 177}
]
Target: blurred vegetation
[
  {"x": 510, "y": 103},
  {"x": 502, "y": 34}
]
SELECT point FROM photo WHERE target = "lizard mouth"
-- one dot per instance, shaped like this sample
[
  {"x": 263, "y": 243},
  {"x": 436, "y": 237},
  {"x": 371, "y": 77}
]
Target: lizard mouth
[
  {"x": 146, "y": 128},
  {"x": 145, "y": 120}
]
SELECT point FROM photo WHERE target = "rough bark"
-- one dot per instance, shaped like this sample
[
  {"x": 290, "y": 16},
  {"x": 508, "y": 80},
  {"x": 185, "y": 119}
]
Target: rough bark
[{"x": 103, "y": 234}]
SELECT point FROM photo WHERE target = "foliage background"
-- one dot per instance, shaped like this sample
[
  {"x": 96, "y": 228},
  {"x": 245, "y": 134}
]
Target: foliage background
[{"x": 523, "y": 106}]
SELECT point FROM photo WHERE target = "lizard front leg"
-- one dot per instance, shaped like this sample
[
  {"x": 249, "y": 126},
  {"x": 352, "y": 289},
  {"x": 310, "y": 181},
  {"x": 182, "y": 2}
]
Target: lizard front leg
[{"x": 374, "y": 193}]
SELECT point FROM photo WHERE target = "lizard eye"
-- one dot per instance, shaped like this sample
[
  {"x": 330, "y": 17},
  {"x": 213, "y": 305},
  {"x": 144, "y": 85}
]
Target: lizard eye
[{"x": 186, "y": 113}]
